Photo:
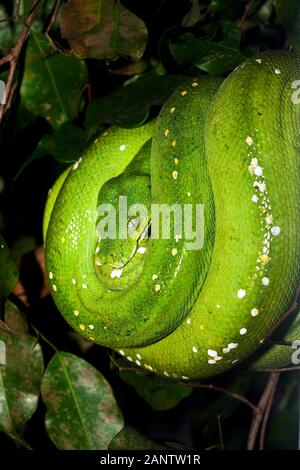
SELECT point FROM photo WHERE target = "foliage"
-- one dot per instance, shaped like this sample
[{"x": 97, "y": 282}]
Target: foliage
[{"x": 87, "y": 65}]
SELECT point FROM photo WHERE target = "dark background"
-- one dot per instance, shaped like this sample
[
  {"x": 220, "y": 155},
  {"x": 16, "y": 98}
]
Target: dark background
[{"x": 205, "y": 418}]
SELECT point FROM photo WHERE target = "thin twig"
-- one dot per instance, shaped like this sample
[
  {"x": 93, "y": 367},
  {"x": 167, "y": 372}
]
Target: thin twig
[
  {"x": 222, "y": 390},
  {"x": 13, "y": 56},
  {"x": 53, "y": 16},
  {"x": 121, "y": 368},
  {"x": 220, "y": 432},
  {"x": 260, "y": 409},
  {"x": 52, "y": 20},
  {"x": 246, "y": 13},
  {"x": 11, "y": 18},
  {"x": 266, "y": 417},
  {"x": 278, "y": 369}
]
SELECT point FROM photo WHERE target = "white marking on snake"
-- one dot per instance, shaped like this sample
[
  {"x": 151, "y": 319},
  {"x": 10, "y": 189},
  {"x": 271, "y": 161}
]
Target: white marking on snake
[
  {"x": 254, "y": 312},
  {"x": 212, "y": 353},
  {"x": 241, "y": 293},
  {"x": 275, "y": 231},
  {"x": 265, "y": 281},
  {"x": 116, "y": 273}
]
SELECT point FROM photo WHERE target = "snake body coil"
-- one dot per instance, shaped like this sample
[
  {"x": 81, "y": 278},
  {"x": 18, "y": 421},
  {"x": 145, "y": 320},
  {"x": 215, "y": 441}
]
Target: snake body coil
[{"x": 231, "y": 146}]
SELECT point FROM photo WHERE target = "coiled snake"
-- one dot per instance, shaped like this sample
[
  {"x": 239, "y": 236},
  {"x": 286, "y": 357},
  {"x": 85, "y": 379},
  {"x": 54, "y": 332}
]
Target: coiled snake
[{"x": 232, "y": 146}]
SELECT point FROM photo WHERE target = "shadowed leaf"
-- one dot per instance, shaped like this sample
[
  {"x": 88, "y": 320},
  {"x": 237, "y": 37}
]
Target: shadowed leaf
[
  {"x": 288, "y": 12},
  {"x": 52, "y": 81},
  {"x": 82, "y": 411},
  {"x": 130, "y": 439},
  {"x": 98, "y": 29},
  {"x": 129, "y": 106},
  {"x": 65, "y": 144},
  {"x": 209, "y": 54},
  {"x": 159, "y": 393},
  {"x": 21, "y": 370},
  {"x": 8, "y": 270}
]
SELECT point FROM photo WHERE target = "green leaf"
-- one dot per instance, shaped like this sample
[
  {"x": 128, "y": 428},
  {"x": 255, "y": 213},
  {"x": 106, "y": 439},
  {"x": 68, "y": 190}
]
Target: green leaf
[
  {"x": 130, "y": 439},
  {"x": 288, "y": 12},
  {"x": 15, "y": 320},
  {"x": 98, "y": 29},
  {"x": 159, "y": 393},
  {"x": 129, "y": 106},
  {"x": 52, "y": 81},
  {"x": 65, "y": 144},
  {"x": 82, "y": 411},
  {"x": 209, "y": 54},
  {"x": 8, "y": 270},
  {"x": 220, "y": 404},
  {"x": 21, "y": 370}
]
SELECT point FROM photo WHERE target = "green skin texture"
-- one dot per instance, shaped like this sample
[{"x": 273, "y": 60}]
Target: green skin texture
[{"x": 189, "y": 314}]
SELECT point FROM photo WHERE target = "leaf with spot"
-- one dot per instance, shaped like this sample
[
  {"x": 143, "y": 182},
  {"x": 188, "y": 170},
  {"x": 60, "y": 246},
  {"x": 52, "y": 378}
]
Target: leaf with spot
[
  {"x": 210, "y": 54},
  {"x": 21, "y": 370},
  {"x": 82, "y": 410},
  {"x": 52, "y": 81},
  {"x": 288, "y": 13},
  {"x": 130, "y": 105},
  {"x": 8, "y": 270},
  {"x": 103, "y": 30},
  {"x": 159, "y": 393},
  {"x": 130, "y": 439}
]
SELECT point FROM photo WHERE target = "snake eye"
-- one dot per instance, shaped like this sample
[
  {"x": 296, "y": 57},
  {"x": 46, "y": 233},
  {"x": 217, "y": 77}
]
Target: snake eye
[{"x": 133, "y": 224}]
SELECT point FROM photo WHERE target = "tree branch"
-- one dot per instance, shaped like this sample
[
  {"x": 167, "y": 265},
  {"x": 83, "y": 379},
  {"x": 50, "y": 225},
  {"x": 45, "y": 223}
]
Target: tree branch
[
  {"x": 234, "y": 395},
  {"x": 262, "y": 409},
  {"x": 12, "y": 59},
  {"x": 266, "y": 417},
  {"x": 246, "y": 13},
  {"x": 53, "y": 16},
  {"x": 279, "y": 369}
]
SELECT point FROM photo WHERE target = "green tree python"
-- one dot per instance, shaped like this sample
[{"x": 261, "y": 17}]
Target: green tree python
[{"x": 232, "y": 146}]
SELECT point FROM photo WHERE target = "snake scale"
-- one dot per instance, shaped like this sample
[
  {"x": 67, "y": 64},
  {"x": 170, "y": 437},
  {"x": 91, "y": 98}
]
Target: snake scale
[{"x": 232, "y": 146}]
